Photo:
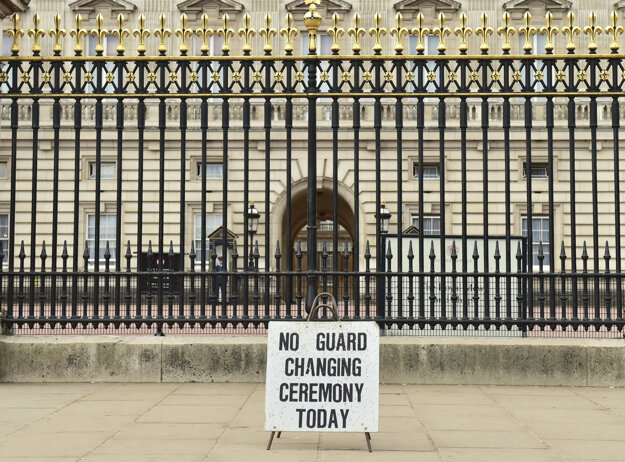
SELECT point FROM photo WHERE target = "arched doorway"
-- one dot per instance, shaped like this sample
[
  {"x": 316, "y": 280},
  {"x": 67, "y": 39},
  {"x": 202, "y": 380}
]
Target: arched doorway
[{"x": 325, "y": 233}]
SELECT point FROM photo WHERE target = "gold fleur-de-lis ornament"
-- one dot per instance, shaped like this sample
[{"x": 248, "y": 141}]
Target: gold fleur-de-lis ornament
[
  {"x": 312, "y": 21},
  {"x": 421, "y": 32},
  {"x": 78, "y": 33},
  {"x": 549, "y": 31},
  {"x": 184, "y": 33},
  {"x": 99, "y": 32},
  {"x": 614, "y": 30},
  {"x": 378, "y": 31},
  {"x": 247, "y": 33},
  {"x": 226, "y": 32},
  {"x": 141, "y": 33},
  {"x": 58, "y": 33},
  {"x": 356, "y": 32},
  {"x": 163, "y": 32},
  {"x": 571, "y": 31},
  {"x": 289, "y": 32},
  {"x": 463, "y": 31},
  {"x": 268, "y": 32},
  {"x": 506, "y": 31},
  {"x": 121, "y": 32},
  {"x": 484, "y": 31},
  {"x": 15, "y": 32},
  {"x": 204, "y": 33},
  {"x": 528, "y": 31},
  {"x": 592, "y": 31},
  {"x": 36, "y": 32},
  {"x": 442, "y": 32},
  {"x": 336, "y": 31},
  {"x": 399, "y": 32}
]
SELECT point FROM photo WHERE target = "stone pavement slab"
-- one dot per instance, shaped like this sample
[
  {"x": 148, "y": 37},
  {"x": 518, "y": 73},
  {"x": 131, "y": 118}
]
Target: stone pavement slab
[{"x": 224, "y": 422}]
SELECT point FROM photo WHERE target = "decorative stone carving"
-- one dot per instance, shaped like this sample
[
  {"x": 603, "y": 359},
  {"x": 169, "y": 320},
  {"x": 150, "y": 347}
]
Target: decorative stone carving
[
  {"x": 90, "y": 8},
  {"x": 517, "y": 8}
]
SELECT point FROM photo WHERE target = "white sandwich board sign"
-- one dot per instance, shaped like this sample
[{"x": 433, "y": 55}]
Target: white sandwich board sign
[{"x": 322, "y": 377}]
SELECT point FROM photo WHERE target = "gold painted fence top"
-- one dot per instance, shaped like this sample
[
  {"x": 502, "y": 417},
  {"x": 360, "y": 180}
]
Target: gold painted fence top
[{"x": 312, "y": 19}]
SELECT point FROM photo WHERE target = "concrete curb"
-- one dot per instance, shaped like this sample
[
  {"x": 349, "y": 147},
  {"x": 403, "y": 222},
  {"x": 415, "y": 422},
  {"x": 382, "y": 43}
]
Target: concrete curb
[{"x": 409, "y": 360}]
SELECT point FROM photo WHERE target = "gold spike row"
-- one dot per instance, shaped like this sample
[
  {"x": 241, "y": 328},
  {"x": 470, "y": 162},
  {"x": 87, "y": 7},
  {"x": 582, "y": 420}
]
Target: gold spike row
[
  {"x": 571, "y": 31},
  {"x": 549, "y": 31},
  {"x": 16, "y": 33},
  {"x": 528, "y": 30},
  {"x": 614, "y": 30},
  {"x": 247, "y": 33},
  {"x": 142, "y": 33},
  {"x": 592, "y": 31},
  {"x": 378, "y": 31},
  {"x": 99, "y": 32},
  {"x": 163, "y": 32},
  {"x": 78, "y": 33}
]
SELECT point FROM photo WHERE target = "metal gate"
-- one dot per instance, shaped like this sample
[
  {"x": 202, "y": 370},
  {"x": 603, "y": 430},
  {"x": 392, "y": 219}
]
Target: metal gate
[{"x": 78, "y": 256}]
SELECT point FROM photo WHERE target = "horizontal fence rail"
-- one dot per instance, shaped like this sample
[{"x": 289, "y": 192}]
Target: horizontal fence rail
[{"x": 482, "y": 254}]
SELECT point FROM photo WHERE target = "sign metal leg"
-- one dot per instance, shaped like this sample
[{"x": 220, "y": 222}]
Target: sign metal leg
[
  {"x": 367, "y": 438},
  {"x": 270, "y": 440}
]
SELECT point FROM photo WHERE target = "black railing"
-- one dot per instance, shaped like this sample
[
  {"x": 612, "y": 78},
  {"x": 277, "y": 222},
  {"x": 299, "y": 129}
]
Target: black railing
[{"x": 516, "y": 283}]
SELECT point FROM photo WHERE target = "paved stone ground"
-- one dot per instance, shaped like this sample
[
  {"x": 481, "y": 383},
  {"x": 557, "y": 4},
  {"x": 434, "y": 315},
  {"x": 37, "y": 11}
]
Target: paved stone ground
[{"x": 224, "y": 422}]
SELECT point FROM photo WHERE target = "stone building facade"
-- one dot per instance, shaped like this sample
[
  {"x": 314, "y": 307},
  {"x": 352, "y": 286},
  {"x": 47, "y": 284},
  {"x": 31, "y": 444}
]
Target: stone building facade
[{"x": 431, "y": 208}]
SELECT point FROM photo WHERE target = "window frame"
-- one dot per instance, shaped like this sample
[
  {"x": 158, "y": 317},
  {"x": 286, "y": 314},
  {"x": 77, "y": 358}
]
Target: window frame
[
  {"x": 546, "y": 245},
  {"x": 414, "y": 220},
  {"x": 112, "y": 247}
]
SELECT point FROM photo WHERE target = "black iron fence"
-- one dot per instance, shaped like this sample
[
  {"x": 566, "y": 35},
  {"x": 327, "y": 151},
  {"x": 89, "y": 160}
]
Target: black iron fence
[{"x": 536, "y": 286}]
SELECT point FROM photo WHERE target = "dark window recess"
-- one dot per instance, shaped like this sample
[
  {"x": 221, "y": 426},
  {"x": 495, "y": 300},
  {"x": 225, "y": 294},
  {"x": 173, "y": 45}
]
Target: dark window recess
[
  {"x": 539, "y": 170},
  {"x": 171, "y": 284},
  {"x": 430, "y": 171}
]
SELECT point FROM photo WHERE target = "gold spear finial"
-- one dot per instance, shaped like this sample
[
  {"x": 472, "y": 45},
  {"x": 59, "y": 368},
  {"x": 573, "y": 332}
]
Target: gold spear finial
[
  {"x": 528, "y": 30},
  {"x": 463, "y": 31},
  {"x": 356, "y": 32},
  {"x": 247, "y": 33},
  {"x": 378, "y": 31},
  {"x": 571, "y": 31},
  {"x": 163, "y": 33},
  {"x": 58, "y": 32},
  {"x": 16, "y": 33},
  {"x": 592, "y": 31},
  {"x": 268, "y": 32},
  {"x": 78, "y": 33},
  {"x": 399, "y": 32},
  {"x": 36, "y": 32},
  {"x": 121, "y": 32},
  {"x": 204, "y": 32},
  {"x": 506, "y": 31},
  {"x": 335, "y": 32},
  {"x": 312, "y": 21},
  {"x": 289, "y": 32},
  {"x": 100, "y": 33},
  {"x": 441, "y": 31},
  {"x": 549, "y": 30},
  {"x": 421, "y": 32},
  {"x": 142, "y": 33},
  {"x": 184, "y": 32},
  {"x": 614, "y": 29},
  {"x": 484, "y": 31},
  {"x": 226, "y": 32}
]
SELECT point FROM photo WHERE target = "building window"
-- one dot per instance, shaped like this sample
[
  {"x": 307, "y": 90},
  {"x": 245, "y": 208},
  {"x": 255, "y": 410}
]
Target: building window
[
  {"x": 431, "y": 224},
  {"x": 213, "y": 221},
  {"x": 108, "y": 228},
  {"x": 214, "y": 170},
  {"x": 4, "y": 236},
  {"x": 430, "y": 171},
  {"x": 539, "y": 170},
  {"x": 107, "y": 170},
  {"x": 4, "y": 170},
  {"x": 540, "y": 233}
]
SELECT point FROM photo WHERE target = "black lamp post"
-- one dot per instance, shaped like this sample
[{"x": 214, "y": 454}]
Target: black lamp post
[
  {"x": 252, "y": 226},
  {"x": 384, "y": 215}
]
